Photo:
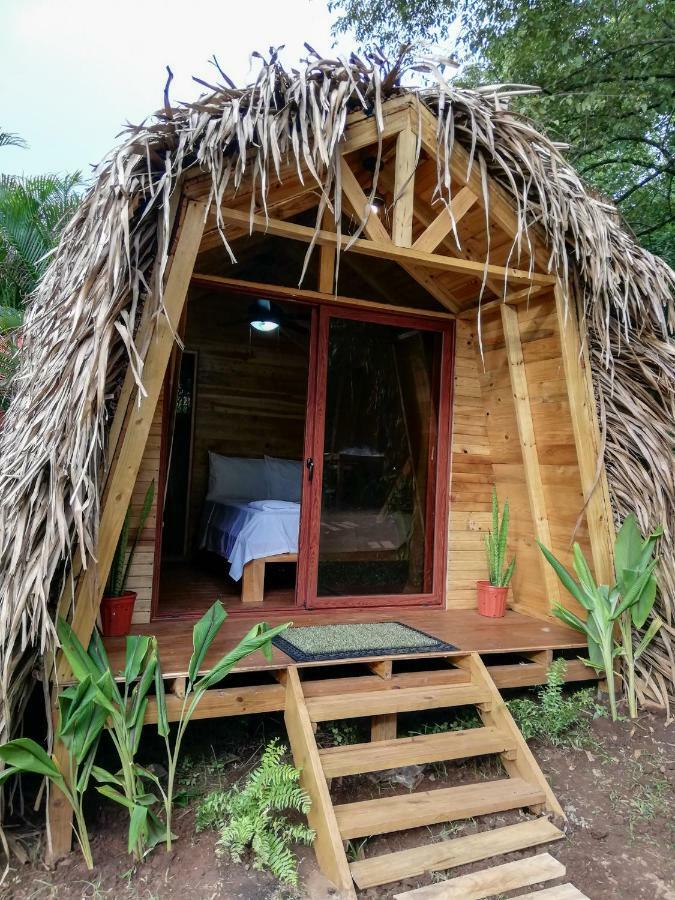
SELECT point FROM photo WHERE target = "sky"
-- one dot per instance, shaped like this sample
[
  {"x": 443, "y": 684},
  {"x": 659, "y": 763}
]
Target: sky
[{"x": 73, "y": 72}]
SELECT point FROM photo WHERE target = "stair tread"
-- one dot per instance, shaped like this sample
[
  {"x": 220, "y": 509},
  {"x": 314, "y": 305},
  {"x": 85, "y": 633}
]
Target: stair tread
[
  {"x": 386, "y": 814},
  {"x": 405, "y": 699},
  {"x": 460, "y": 851},
  {"x": 559, "y": 892},
  {"x": 375, "y": 756},
  {"x": 488, "y": 882}
]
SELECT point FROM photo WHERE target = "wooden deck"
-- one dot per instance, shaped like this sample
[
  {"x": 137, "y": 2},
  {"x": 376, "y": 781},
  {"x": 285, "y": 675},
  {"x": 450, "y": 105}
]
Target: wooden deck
[{"x": 514, "y": 634}]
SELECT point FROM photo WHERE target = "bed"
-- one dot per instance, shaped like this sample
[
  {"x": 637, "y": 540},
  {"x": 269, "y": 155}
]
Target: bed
[
  {"x": 252, "y": 533},
  {"x": 251, "y": 516}
]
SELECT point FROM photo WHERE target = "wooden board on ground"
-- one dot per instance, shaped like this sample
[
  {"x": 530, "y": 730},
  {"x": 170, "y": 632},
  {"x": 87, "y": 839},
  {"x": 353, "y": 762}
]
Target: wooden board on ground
[
  {"x": 560, "y": 892},
  {"x": 486, "y": 882},
  {"x": 456, "y": 852}
]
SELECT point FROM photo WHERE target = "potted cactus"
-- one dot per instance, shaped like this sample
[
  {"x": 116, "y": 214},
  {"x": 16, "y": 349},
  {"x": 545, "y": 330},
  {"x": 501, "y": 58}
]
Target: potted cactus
[
  {"x": 117, "y": 605},
  {"x": 492, "y": 593}
]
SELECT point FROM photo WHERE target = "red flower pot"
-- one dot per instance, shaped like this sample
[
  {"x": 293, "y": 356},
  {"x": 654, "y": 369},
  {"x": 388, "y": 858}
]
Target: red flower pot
[
  {"x": 116, "y": 613},
  {"x": 491, "y": 599}
]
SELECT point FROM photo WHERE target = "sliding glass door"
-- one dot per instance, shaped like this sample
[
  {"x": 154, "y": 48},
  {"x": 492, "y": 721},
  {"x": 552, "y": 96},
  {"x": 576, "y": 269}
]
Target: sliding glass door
[{"x": 375, "y": 501}]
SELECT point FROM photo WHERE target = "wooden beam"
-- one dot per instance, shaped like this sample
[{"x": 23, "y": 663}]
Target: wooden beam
[
  {"x": 501, "y": 206},
  {"x": 513, "y": 298},
  {"x": 328, "y": 846},
  {"x": 577, "y": 367},
  {"x": 122, "y": 478},
  {"x": 381, "y": 250},
  {"x": 120, "y": 484},
  {"x": 404, "y": 188},
  {"x": 375, "y": 230},
  {"x": 528, "y": 445},
  {"x": 327, "y": 260},
  {"x": 441, "y": 226},
  {"x": 303, "y": 295}
]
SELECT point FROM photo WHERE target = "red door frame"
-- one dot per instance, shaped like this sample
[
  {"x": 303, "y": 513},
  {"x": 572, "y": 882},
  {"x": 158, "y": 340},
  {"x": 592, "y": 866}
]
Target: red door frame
[{"x": 436, "y": 513}]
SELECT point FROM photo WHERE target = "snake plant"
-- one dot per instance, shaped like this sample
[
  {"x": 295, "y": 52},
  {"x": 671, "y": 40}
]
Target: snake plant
[{"x": 495, "y": 545}]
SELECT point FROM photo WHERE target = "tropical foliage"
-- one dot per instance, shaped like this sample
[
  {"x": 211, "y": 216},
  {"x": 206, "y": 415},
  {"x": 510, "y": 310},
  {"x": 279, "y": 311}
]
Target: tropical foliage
[
  {"x": 605, "y": 69},
  {"x": 33, "y": 210},
  {"x": 495, "y": 545},
  {"x": 117, "y": 703},
  {"x": 252, "y": 815},
  {"x": 626, "y": 603}
]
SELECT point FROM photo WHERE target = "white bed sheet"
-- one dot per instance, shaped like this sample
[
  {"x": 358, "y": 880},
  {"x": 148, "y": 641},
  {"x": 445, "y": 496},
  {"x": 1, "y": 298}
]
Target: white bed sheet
[{"x": 240, "y": 531}]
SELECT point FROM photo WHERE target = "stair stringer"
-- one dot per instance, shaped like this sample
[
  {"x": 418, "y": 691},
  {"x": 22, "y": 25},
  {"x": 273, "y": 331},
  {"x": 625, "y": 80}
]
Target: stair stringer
[
  {"x": 520, "y": 761},
  {"x": 328, "y": 846}
]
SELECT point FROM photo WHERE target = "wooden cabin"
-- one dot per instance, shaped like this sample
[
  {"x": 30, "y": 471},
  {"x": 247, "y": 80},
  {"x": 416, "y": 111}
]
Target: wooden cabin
[
  {"x": 382, "y": 407},
  {"x": 345, "y": 329}
]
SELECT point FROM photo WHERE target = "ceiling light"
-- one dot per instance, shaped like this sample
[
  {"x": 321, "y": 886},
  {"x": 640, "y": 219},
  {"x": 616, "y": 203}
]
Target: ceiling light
[
  {"x": 377, "y": 204},
  {"x": 262, "y": 325},
  {"x": 263, "y": 316}
]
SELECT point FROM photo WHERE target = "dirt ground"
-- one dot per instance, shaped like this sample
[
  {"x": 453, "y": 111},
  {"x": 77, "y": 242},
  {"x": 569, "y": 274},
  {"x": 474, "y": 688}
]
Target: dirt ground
[{"x": 618, "y": 795}]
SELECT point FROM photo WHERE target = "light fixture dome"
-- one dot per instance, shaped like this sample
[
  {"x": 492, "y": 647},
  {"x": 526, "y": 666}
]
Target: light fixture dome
[{"x": 264, "y": 315}]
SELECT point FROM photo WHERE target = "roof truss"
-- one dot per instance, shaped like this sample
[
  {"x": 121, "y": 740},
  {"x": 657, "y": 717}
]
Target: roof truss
[{"x": 422, "y": 240}]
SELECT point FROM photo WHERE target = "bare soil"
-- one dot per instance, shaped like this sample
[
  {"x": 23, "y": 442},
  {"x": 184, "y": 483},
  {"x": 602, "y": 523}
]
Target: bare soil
[{"x": 618, "y": 796}]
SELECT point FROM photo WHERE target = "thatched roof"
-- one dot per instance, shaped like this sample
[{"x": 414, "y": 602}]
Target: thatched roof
[{"x": 110, "y": 261}]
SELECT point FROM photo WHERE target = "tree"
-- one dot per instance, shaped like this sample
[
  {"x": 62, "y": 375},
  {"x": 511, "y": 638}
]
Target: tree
[
  {"x": 607, "y": 76},
  {"x": 33, "y": 210}
]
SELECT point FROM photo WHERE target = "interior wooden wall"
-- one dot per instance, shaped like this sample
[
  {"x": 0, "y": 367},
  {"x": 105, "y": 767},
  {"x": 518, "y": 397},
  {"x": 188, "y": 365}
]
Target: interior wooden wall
[
  {"x": 486, "y": 450},
  {"x": 251, "y": 391}
]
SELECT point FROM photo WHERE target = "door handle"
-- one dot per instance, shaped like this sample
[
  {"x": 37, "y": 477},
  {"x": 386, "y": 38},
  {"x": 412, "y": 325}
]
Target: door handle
[{"x": 309, "y": 462}]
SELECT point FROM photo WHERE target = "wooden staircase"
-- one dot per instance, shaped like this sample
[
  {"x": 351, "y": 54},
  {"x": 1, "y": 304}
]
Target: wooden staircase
[{"x": 382, "y": 695}]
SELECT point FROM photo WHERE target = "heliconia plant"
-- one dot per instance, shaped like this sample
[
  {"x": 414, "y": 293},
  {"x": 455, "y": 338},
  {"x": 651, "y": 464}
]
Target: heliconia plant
[
  {"x": 495, "y": 545},
  {"x": 625, "y": 604}
]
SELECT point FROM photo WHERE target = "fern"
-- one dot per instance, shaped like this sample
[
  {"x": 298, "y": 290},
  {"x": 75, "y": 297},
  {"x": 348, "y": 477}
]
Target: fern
[{"x": 250, "y": 816}]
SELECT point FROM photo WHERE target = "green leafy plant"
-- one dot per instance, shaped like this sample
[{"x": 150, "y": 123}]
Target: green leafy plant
[
  {"x": 125, "y": 705},
  {"x": 251, "y": 815},
  {"x": 203, "y": 635},
  {"x": 495, "y": 545},
  {"x": 121, "y": 564},
  {"x": 79, "y": 728},
  {"x": 561, "y": 720},
  {"x": 634, "y": 563},
  {"x": 610, "y": 607}
]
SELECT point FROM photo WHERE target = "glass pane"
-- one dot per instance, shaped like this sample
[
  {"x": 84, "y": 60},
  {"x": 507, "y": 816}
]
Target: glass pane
[{"x": 378, "y": 475}]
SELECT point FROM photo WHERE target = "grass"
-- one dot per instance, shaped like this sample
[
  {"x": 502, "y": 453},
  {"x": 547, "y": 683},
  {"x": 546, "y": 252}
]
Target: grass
[{"x": 645, "y": 794}]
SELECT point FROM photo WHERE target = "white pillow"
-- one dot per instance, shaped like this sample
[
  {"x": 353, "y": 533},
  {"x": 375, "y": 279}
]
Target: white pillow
[
  {"x": 236, "y": 478},
  {"x": 284, "y": 479},
  {"x": 274, "y": 505}
]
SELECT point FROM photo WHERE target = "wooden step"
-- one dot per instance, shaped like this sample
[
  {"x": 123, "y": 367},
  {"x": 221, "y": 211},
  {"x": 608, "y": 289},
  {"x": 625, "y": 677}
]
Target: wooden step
[
  {"x": 387, "y": 814},
  {"x": 381, "y": 702},
  {"x": 560, "y": 892},
  {"x": 364, "y": 683},
  {"x": 456, "y": 852},
  {"x": 487, "y": 882},
  {"x": 375, "y": 756}
]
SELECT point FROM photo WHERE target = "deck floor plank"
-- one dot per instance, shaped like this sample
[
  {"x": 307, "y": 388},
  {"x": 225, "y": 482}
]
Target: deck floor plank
[{"x": 462, "y": 627}]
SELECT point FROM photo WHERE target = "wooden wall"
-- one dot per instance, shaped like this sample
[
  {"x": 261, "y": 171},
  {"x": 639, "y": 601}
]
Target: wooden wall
[
  {"x": 251, "y": 389},
  {"x": 486, "y": 450},
  {"x": 141, "y": 572}
]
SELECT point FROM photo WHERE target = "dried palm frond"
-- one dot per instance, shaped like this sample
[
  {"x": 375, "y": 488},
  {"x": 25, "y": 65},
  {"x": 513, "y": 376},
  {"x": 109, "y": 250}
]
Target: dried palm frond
[{"x": 81, "y": 325}]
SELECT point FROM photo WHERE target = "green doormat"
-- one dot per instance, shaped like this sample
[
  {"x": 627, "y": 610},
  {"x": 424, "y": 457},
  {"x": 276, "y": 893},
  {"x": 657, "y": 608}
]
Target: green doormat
[{"x": 318, "y": 642}]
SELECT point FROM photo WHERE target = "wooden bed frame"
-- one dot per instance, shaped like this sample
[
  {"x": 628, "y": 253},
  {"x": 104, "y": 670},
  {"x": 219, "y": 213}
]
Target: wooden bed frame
[{"x": 253, "y": 577}]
